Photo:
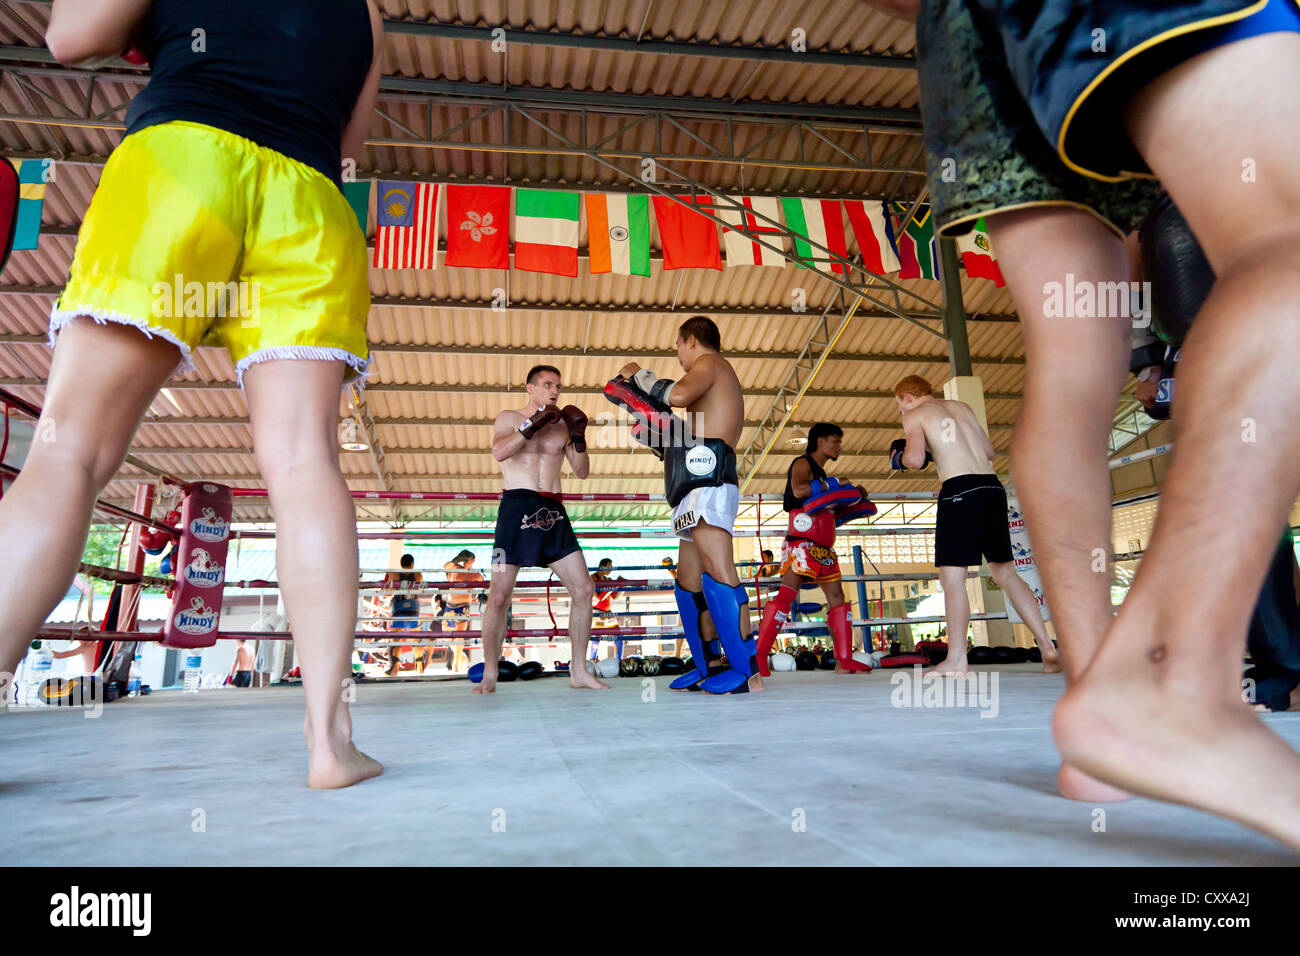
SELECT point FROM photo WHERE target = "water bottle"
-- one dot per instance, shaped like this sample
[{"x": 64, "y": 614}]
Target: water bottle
[
  {"x": 133, "y": 680},
  {"x": 193, "y": 670},
  {"x": 41, "y": 667}
]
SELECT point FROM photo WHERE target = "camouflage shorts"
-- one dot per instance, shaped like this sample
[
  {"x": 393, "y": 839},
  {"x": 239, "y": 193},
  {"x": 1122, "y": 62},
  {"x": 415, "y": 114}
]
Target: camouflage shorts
[{"x": 984, "y": 149}]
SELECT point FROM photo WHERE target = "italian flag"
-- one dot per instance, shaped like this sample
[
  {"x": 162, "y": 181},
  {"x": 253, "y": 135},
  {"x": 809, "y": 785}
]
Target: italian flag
[
  {"x": 821, "y": 221},
  {"x": 618, "y": 233},
  {"x": 546, "y": 231},
  {"x": 977, "y": 255}
]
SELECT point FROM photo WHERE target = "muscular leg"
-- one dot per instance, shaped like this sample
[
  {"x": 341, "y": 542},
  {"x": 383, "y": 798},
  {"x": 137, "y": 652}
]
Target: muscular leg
[
  {"x": 101, "y": 383},
  {"x": 1160, "y": 709},
  {"x": 717, "y": 559},
  {"x": 572, "y": 572},
  {"x": 1075, "y": 370},
  {"x": 293, "y": 407},
  {"x": 956, "y": 606},
  {"x": 500, "y": 592},
  {"x": 1026, "y": 605}
]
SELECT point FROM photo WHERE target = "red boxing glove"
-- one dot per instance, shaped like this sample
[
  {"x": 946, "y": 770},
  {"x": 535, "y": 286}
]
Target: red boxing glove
[
  {"x": 135, "y": 57},
  {"x": 577, "y": 422}
]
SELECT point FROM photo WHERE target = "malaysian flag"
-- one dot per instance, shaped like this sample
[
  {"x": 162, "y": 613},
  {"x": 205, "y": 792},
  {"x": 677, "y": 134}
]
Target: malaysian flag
[{"x": 406, "y": 231}]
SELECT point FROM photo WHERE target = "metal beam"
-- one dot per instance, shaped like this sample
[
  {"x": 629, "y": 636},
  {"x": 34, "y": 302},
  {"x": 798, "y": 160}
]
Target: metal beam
[
  {"x": 484, "y": 422},
  {"x": 954, "y": 310},
  {"x": 624, "y": 46},
  {"x": 38, "y": 61},
  {"x": 586, "y": 308},
  {"x": 473, "y": 389},
  {"x": 375, "y": 449},
  {"x": 411, "y": 348}
]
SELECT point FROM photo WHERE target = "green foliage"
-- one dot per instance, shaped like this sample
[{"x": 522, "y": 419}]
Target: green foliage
[{"x": 102, "y": 549}]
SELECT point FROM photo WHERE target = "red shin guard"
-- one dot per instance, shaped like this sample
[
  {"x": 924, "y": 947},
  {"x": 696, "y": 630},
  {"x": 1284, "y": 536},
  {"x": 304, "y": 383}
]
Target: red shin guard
[
  {"x": 774, "y": 616},
  {"x": 838, "y": 618}
]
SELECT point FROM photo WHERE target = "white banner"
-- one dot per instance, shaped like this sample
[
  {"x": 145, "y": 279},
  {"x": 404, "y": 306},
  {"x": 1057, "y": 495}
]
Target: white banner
[{"x": 1023, "y": 554}]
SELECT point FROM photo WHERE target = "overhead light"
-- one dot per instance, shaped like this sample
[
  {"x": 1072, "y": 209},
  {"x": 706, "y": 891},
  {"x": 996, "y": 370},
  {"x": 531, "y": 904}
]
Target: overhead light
[
  {"x": 167, "y": 394},
  {"x": 797, "y": 441},
  {"x": 349, "y": 438}
]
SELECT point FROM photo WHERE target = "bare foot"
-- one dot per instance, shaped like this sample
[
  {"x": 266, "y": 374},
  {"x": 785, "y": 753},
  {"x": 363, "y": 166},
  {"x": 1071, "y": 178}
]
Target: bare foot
[
  {"x": 331, "y": 766},
  {"x": 581, "y": 679},
  {"x": 488, "y": 685},
  {"x": 1051, "y": 658},
  {"x": 1074, "y": 784},
  {"x": 1130, "y": 723},
  {"x": 955, "y": 667}
]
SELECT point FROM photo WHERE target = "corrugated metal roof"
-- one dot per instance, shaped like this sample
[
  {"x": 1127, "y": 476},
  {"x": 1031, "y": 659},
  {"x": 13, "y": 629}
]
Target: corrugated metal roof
[{"x": 199, "y": 426}]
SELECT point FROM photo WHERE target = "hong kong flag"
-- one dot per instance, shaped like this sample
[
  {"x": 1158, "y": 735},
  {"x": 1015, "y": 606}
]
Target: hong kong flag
[{"x": 478, "y": 227}]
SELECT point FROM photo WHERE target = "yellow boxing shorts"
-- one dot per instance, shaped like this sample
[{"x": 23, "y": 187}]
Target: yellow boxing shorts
[
  {"x": 203, "y": 237},
  {"x": 809, "y": 560}
]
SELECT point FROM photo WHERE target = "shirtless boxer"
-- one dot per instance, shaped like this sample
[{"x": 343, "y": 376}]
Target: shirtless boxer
[
  {"x": 701, "y": 486},
  {"x": 817, "y": 505},
  {"x": 533, "y": 530},
  {"x": 459, "y": 601},
  {"x": 972, "y": 512}
]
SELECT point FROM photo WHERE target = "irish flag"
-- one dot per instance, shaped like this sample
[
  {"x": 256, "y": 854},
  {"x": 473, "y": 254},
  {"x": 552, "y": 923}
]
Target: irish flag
[
  {"x": 819, "y": 220},
  {"x": 977, "y": 255},
  {"x": 618, "y": 233},
  {"x": 546, "y": 231}
]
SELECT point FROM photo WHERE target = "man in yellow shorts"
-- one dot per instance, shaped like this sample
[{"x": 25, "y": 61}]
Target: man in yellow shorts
[{"x": 219, "y": 220}]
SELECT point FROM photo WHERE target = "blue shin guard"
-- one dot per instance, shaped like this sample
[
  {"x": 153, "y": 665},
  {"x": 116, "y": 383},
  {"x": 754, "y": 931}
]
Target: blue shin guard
[
  {"x": 724, "y": 607},
  {"x": 690, "y": 605}
]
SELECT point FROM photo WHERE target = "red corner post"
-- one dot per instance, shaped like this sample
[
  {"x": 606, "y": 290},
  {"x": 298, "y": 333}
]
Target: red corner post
[{"x": 200, "y": 566}]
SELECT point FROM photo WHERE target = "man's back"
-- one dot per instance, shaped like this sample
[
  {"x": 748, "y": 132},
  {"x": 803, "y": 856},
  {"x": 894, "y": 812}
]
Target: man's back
[{"x": 954, "y": 437}]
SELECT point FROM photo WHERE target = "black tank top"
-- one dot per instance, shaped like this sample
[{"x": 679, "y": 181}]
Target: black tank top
[
  {"x": 284, "y": 73},
  {"x": 792, "y": 501}
]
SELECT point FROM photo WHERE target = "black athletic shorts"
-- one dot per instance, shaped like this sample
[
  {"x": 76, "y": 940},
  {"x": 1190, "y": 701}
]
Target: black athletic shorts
[
  {"x": 1024, "y": 102},
  {"x": 242, "y": 679},
  {"x": 533, "y": 530},
  {"x": 972, "y": 520}
]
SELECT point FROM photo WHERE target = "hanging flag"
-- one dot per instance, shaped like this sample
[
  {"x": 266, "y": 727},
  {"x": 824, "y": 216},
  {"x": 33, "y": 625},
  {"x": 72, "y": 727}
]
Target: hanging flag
[
  {"x": 31, "y": 200},
  {"x": 618, "y": 233},
  {"x": 875, "y": 235},
  {"x": 977, "y": 255},
  {"x": 546, "y": 231},
  {"x": 358, "y": 197},
  {"x": 917, "y": 249},
  {"x": 742, "y": 250},
  {"x": 478, "y": 233},
  {"x": 406, "y": 226},
  {"x": 690, "y": 240},
  {"x": 818, "y": 220}
]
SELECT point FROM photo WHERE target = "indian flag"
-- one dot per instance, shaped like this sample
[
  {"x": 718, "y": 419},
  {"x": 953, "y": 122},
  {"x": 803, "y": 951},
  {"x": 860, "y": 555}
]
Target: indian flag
[
  {"x": 821, "y": 221},
  {"x": 546, "y": 231},
  {"x": 618, "y": 233}
]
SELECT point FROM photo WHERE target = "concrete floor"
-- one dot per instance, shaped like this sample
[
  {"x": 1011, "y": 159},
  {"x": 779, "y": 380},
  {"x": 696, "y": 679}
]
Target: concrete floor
[{"x": 582, "y": 778}]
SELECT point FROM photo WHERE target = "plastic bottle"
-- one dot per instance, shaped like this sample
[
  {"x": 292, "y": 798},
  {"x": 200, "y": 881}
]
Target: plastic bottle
[
  {"x": 193, "y": 670},
  {"x": 41, "y": 666},
  {"x": 133, "y": 680}
]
